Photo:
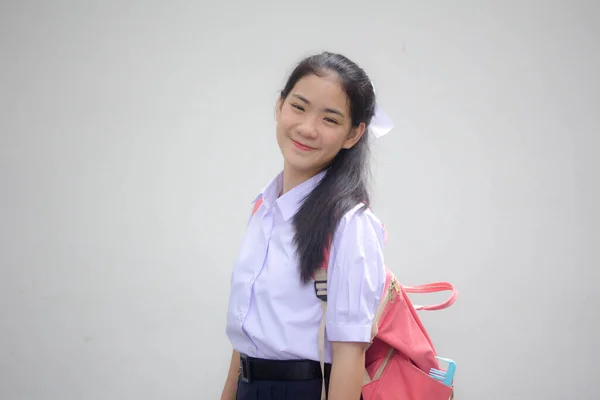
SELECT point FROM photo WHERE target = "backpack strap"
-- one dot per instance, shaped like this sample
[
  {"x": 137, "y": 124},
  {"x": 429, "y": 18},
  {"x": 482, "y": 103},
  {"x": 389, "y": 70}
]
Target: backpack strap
[
  {"x": 320, "y": 278},
  {"x": 257, "y": 205},
  {"x": 321, "y": 293},
  {"x": 433, "y": 288}
]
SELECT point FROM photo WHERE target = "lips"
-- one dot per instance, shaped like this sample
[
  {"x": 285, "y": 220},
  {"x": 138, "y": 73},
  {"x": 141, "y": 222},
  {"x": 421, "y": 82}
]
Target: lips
[{"x": 302, "y": 146}]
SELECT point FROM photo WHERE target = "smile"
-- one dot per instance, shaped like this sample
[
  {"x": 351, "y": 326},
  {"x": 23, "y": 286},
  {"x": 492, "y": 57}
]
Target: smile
[{"x": 301, "y": 146}]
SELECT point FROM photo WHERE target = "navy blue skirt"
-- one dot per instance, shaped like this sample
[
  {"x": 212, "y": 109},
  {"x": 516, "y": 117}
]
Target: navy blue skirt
[{"x": 279, "y": 390}]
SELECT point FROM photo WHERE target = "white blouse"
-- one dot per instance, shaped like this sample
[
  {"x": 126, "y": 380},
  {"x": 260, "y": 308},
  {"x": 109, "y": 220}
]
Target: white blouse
[{"x": 271, "y": 313}]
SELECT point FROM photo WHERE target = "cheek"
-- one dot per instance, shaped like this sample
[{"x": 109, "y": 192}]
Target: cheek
[
  {"x": 333, "y": 141},
  {"x": 284, "y": 122},
  {"x": 281, "y": 133},
  {"x": 281, "y": 129}
]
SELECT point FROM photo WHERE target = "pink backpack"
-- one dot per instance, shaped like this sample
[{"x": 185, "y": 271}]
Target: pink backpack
[{"x": 401, "y": 354}]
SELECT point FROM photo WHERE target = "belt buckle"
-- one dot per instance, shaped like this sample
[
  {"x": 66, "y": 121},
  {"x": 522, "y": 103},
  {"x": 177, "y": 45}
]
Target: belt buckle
[{"x": 244, "y": 368}]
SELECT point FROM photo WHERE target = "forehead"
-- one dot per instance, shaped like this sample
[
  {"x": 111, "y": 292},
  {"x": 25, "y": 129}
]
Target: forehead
[{"x": 323, "y": 91}]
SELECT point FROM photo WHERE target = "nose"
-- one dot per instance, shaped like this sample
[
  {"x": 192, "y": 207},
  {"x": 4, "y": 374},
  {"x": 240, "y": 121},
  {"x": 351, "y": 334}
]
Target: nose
[{"x": 308, "y": 128}]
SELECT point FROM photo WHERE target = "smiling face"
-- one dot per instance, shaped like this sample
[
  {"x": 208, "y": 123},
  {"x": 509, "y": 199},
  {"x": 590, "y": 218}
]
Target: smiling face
[{"x": 314, "y": 124}]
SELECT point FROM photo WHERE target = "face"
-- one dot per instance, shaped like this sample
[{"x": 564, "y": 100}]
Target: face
[{"x": 314, "y": 124}]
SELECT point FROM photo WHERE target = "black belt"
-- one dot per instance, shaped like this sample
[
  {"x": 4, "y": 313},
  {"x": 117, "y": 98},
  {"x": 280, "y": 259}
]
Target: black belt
[{"x": 258, "y": 369}]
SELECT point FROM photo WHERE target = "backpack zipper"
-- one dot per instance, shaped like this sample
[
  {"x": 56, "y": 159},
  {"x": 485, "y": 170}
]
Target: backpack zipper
[
  {"x": 389, "y": 298},
  {"x": 386, "y": 360}
]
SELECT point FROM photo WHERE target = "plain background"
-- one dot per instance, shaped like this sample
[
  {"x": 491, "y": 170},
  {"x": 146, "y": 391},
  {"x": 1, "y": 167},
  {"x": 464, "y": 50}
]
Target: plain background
[{"x": 134, "y": 135}]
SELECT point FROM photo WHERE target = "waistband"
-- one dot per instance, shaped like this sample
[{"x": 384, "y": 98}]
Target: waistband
[{"x": 260, "y": 369}]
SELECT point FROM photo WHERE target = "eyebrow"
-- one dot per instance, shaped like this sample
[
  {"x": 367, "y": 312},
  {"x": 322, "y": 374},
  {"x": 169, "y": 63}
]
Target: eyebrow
[{"x": 328, "y": 110}]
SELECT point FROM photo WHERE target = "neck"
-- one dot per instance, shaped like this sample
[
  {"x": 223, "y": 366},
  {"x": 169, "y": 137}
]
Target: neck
[{"x": 293, "y": 177}]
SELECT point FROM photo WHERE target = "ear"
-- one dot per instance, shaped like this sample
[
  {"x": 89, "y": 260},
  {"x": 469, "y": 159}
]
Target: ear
[{"x": 354, "y": 136}]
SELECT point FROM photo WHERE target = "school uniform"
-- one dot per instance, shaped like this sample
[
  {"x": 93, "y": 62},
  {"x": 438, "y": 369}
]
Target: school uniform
[{"x": 273, "y": 318}]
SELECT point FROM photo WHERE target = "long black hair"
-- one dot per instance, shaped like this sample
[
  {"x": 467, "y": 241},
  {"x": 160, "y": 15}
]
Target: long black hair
[{"x": 346, "y": 181}]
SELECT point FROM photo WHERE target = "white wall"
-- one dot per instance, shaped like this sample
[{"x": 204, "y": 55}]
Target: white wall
[{"x": 133, "y": 136}]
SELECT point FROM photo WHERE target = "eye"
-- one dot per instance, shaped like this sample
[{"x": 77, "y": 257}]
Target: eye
[
  {"x": 297, "y": 106},
  {"x": 331, "y": 120}
]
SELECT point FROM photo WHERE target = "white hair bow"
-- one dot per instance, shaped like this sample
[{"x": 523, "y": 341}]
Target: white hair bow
[{"x": 381, "y": 123}]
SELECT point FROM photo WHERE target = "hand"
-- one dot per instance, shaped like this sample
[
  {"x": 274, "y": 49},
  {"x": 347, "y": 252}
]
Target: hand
[{"x": 230, "y": 388}]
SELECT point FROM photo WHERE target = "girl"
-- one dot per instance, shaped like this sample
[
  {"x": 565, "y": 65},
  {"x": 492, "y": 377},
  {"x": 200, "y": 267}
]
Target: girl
[{"x": 323, "y": 116}]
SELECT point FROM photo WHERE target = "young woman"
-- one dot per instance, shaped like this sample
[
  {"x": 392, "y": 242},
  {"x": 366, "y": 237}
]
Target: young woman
[{"x": 317, "y": 204}]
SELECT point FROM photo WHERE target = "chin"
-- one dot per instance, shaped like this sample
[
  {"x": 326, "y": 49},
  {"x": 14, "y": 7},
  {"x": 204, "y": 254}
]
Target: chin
[{"x": 298, "y": 161}]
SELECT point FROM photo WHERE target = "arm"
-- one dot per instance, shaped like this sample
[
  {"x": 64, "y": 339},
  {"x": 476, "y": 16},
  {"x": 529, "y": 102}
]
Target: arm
[
  {"x": 230, "y": 389},
  {"x": 355, "y": 283},
  {"x": 348, "y": 365}
]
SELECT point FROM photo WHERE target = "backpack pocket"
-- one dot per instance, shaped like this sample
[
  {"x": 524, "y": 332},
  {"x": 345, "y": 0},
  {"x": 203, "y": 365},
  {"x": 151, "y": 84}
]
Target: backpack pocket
[{"x": 396, "y": 377}]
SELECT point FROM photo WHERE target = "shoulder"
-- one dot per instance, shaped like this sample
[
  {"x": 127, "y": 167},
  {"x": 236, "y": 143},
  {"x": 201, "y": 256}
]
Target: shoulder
[
  {"x": 359, "y": 229},
  {"x": 360, "y": 223}
]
